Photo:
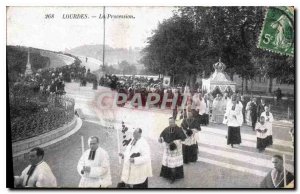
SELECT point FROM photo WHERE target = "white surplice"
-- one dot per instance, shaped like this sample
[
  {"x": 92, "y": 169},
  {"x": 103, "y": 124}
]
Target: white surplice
[
  {"x": 42, "y": 176},
  {"x": 269, "y": 120},
  {"x": 100, "y": 169},
  {"x": 141, "y": 169}
]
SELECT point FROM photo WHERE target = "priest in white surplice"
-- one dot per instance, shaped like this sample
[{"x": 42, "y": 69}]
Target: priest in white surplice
[
  {"x": 234, "y": 120},
  {"x": 269, "y": 120},
  {"x": 137, "y": 162},
  {"x": 93, "y": 166},
  {"x": 37, "y": 174}
]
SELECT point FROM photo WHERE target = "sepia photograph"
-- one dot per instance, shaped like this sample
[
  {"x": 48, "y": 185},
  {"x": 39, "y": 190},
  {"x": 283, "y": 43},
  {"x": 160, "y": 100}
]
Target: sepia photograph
[{"x": 141, "y": 97}]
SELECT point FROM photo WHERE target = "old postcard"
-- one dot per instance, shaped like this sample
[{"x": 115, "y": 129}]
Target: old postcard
[{"x": 150, "y": 97}]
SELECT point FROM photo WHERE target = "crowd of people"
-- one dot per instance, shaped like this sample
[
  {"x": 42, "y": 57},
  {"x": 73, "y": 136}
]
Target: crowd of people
[
  {"x": 129, "y": 82},
  {"x": 52, "y": 80},
  {"x": 179, "y": 142},
  {"x": 205, "y": 107}
]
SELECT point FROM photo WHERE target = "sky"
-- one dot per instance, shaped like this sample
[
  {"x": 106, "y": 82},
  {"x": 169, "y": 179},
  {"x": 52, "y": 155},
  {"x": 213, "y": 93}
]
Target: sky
[{"x": 27, "y": 26}]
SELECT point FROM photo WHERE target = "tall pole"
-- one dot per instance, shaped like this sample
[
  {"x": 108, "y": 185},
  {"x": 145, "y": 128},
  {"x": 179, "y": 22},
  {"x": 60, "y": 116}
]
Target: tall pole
[
  {"x": 103, "y": 57},
  {"x": 284, "y": 172}
]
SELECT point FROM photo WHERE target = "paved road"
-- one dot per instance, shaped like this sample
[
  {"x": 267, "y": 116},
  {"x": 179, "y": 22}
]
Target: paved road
[{"x": 218, "y": 166}]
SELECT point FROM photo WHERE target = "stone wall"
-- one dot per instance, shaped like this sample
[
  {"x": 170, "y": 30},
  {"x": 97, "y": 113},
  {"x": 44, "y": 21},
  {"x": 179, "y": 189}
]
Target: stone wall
[{"x": 21, "y": 148}]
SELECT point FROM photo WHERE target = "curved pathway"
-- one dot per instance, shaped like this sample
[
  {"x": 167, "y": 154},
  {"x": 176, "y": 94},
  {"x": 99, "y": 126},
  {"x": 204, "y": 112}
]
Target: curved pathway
[{"x": 218, "y": 166}]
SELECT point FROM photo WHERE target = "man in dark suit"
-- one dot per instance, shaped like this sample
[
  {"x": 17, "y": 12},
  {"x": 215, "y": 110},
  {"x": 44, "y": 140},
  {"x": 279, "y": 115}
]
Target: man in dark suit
[
  {"x": 253, "y": 113},
  {"x": 261, "y": 107}
]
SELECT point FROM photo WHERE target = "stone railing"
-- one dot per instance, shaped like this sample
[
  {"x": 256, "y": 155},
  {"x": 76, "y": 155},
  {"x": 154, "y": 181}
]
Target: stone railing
[{"x": 20, "y": 149}]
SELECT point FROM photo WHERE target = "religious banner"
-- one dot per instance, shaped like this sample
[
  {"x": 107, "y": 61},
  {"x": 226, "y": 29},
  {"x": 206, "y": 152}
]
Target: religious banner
[{"x": 166, "y": 81}]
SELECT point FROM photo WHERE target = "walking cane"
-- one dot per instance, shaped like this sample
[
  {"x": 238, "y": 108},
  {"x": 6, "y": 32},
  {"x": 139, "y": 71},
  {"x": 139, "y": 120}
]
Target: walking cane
[{"x": 284, "y": 173}]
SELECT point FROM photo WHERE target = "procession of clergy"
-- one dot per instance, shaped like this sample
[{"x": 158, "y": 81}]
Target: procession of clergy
[{"x": 179, "y": 144}]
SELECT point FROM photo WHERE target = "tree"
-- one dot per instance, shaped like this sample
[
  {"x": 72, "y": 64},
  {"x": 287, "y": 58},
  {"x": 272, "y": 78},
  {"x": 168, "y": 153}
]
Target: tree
[
  {"x": 196, "y": 37},
  {"x": 123, "y": 66},
  {"x": 273, "y": 66},
  {"x": 131, "y": 70},
  {"x": 170, "y": 51},
  {"x": 111, "y": 70},
  {"x": 232, "y": 33},
  {"x": 126, "y": 68},
  {"x": 226, "y": 32}
]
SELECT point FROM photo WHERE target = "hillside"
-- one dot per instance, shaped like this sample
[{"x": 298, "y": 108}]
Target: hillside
[
  {"x": 16, "y": 60},
  {"x": 40, "y": 59},
  {"x": 112, "y": 55},
  {"x": 56, "y": 59}
]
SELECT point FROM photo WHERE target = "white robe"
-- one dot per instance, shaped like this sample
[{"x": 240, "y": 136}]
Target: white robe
[
  {"x": 100, "y": 169},
  {"x": 202, "y": 109},
  {"x": 226, "y": 102},
  {"x": 269, "y": 122},
  {"x": 234, "y": 117},
  {"x": 191, "y": 140},
  {"x": 141, "y": 169},
  {"x": 195, "y": 102},
  {"x": 174, "y": 158},
  {"x": 248, "y": 116},
  {"x": 42, "y": 176},
  {"x": 218, "y": 111},
  {"x": 261, "y": 135}
]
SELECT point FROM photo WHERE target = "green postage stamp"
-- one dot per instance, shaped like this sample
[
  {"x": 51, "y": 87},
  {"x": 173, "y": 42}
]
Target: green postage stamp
[{"x": 277, "y": 34}]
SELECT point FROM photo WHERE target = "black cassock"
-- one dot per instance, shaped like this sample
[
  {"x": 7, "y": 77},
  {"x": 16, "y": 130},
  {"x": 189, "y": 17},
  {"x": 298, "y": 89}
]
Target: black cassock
[
  {"x": 172, "y": 163},
  {"x": 190, "y": 127}
]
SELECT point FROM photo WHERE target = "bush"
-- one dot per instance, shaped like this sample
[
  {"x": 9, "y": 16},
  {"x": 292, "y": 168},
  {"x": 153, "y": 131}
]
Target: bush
[
  {"x": 43, "y": 121},
  {"x": 26, "y": 99}
]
